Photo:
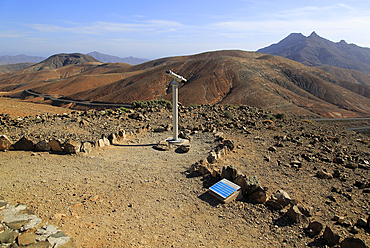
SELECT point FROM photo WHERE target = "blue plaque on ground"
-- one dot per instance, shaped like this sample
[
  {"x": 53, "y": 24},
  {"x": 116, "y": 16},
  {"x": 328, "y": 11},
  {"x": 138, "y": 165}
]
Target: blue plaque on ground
[{"x": 225, "y": 190}]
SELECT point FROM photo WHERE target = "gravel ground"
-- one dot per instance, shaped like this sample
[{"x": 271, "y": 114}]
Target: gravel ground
[{"x": 131, "y": 195}]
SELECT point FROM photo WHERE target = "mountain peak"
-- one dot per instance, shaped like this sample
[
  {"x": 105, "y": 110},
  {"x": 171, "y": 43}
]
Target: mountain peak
[
  {"x": 313, "y": 34},
  {"x": 318, "y": 51},
  {"x": 291, "y": 39},
  {"x": 63, "y": 59}
]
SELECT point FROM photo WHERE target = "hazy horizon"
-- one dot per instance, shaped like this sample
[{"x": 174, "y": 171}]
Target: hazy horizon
[{"x": 157, "y": 29}]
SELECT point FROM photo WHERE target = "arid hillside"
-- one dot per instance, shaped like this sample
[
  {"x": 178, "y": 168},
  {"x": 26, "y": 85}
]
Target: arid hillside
[
  {"x": 14, "y": 67},
  {"x": 223, "y": 77}
]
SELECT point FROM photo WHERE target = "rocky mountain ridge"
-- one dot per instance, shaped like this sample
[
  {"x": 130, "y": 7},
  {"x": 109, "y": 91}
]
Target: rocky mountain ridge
[
  {"x": 7, "y": 59},
  {"x": 105, "y": 58},
  {"x": 314, "y": 50}
]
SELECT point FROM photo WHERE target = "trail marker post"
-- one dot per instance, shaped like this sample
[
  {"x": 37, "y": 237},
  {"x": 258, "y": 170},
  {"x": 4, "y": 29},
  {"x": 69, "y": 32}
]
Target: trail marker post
[{"x": 175, "y": 113}]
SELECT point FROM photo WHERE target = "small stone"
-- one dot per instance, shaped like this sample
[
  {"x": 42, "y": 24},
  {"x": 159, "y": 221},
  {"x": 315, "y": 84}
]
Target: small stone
[
  {"x": 58, "y": 239},
  {"x": 282, "y": 197},
  {"x": 252, "y": 184},
  {"x": 351, "y": 166},
  {"x": 296, "y": 163},
  {"x": 229, "y": 144},
  {"x": 122, "y": 134},
  {"x": 361, "y": 222},
  {"x": 324, "y": 175},
  {"x": 354, "y": 230},
  {"x": 113, "y": 139},
  {"x": 229, "y": 172},
  {"x": 272, "y": 149},
  {"x": 296, "y": 215},
  {"x": 259, "y": 195},
  {"x": 332, "y": 198},
  {"x": 352, "y": 242},
  {"x": 185, "y": 147},
  {"x": 274, "y": 204},
  {"x": 159, "y": 129},
  {"x": 336, "y": 174},
  {"x": 5, "y": 143},
  {"x": 55, "y": 145},
  {"x": 212, "y": 157},
  {"x": 105, "y": 140},
  {"x": 163, "y": 146},
  {"x": 347, "y": 195},
  {"x": 267, "y": 158},
  {"x": 346, "y": 223},
  {"x": 306, "y": 210},
  {"x": 338, "y": 218},
  {"x": 330, "y": 236},
  {"x": 58, "y": 216},
  {"x": 26, "y": 238},
  {"x": 8, "y": 236},
  {"x": 99, "y": 143},
  {"x": 316, "y": 227},
  {"x": 17, "y": 225},
  {"x": 86, "y": 147},
  {"x": 72, "y": 147},
  {"x": 339, "y": 160},
  {"x": 46, "y": 230},
  {"x": 240, "y": 180},
  {"x": 24, "y": 144},
  {"x": 42, "y": 146},
  {"x": 219, "y": 136}
]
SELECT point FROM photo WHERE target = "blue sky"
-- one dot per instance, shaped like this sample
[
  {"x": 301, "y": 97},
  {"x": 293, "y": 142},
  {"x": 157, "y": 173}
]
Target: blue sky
[{"x": 155, "y": 29}]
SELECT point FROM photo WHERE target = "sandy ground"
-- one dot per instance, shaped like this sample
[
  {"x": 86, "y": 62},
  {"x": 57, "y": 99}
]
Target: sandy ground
[{"x": 15, "y": 108}]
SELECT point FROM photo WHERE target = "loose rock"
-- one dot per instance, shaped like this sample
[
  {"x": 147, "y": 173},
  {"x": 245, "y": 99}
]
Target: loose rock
[
  {"x": 5, "y": 143},
  {"x": 352, "y": 242},
  {"x": 330, "y": 236}
]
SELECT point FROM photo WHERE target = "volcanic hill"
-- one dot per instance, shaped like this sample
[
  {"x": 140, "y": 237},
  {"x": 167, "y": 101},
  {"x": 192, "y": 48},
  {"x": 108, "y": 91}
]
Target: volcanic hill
[{"x": 222, "y": 77}]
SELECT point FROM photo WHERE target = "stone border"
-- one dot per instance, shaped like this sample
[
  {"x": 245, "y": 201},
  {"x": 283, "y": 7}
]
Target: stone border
[
  {"x": 68, "y": 147},
  {"x": 19, "y": 227}
]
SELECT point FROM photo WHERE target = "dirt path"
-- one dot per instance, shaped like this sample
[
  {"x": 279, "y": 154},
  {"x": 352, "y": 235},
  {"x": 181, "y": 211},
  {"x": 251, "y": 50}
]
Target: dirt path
[{"x": 135, "y": 196}]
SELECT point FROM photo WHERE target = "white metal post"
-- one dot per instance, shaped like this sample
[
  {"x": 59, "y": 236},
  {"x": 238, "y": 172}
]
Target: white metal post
[{"x": 175, "y": 112}]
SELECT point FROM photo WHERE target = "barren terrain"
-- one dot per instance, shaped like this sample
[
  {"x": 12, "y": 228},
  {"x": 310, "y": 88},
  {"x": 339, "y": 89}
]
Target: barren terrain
[
  {"x": 222, "y": 77},
  {"x": 131, "y": 195}
]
